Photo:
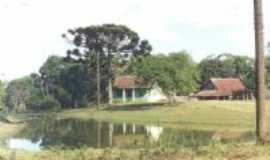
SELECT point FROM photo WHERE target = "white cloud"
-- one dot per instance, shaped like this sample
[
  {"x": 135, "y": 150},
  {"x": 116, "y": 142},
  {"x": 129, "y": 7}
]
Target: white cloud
[{"x": 31, "y": 29}]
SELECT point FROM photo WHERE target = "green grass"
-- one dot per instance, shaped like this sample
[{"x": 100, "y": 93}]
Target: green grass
[
  {"x": 204, "y": 115},
  {"x": 215, "y": 151}
]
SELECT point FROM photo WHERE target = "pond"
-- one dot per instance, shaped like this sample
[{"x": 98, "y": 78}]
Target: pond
[{"x": 49, "y": 132}]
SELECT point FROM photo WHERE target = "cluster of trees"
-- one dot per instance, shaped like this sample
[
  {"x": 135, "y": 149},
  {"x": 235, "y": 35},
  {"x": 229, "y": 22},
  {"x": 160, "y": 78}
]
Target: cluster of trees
[
  {"x": 175, "y": 73},
  {"x": 99, "y": 53},
  {"x": 178, "y": 73},
  {"x": 85, "y": 75}
]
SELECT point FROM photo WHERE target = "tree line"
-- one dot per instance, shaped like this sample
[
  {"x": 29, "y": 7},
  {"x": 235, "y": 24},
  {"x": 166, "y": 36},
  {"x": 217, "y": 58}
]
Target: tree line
[{"x": 98, "y": 54}]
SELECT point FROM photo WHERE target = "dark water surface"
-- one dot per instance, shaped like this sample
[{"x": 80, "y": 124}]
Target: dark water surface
[{"x": 73, "y": 133}]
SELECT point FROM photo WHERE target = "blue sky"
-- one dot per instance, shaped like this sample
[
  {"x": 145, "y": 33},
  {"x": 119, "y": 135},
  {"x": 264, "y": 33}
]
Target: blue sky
[{"x": 31, "y": 29}]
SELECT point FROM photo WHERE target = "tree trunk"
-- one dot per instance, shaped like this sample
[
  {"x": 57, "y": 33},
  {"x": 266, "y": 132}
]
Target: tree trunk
[
  {"x": 110, "y": 88},
  {"x": 75, "y": 103},
  {"x": 261, "y": 118},
  {"x": 98, "y": 81}
]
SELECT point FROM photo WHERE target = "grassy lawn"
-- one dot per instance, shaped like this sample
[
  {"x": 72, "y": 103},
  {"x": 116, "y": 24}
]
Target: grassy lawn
[{"x": 204, "y": 115}]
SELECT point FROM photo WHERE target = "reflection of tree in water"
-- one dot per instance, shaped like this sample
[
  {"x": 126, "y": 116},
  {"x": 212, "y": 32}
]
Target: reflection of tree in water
[
  {"x": 128, "y": 135},
  {"x": 67, "y": 133},
  {"x": 185, "y": 137},
  {"x": 73, "y": 133}
]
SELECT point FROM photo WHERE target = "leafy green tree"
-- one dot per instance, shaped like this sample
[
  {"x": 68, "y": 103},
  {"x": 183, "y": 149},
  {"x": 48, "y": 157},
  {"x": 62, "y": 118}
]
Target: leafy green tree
[
  {"x": 114, "y": 44},
  {"x": 2, "y": 94},
  {"x": 267, "y": 64},
  {"x": 176, "y": 73},
  {"x": 68, "y": 81},
  {"x": 50, "y": 73},
  {"x": 18, "y": 91},
  {"x": 42, "y": 103},
  {"x": 75, "y": 81},
  {"x": 51, "y": 80}
]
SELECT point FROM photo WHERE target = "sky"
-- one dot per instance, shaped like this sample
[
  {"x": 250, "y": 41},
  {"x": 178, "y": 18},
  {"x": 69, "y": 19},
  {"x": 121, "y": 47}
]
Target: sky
[{"x": 30, "y": 30}]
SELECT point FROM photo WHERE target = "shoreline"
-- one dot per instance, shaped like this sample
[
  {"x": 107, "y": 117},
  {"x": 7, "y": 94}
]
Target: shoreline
[{"x": 8, "y": 129}]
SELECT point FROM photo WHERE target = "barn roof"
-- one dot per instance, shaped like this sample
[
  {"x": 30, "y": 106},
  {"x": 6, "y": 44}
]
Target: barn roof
[
  {"x": 212, "y": 93},
  {"x": 223, "y": 87},
  {"x": 228, "y": 84},
  {"x": 130, "y": 81}
]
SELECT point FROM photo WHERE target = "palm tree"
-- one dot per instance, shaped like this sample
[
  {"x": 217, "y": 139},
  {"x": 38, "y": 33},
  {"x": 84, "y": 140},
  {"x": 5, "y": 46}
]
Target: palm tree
[{"x": 261, "y": 118}]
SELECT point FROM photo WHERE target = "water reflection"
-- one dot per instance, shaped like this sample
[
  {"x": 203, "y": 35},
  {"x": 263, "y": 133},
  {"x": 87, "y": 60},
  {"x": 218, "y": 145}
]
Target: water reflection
[
  {"x": 154, "y": 132},
  {"x": 23, "y": 144},
  {"x": 74, "y": 133}
]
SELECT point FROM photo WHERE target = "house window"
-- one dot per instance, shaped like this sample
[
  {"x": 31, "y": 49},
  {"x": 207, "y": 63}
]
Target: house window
[
  {"x": 140, "y": 92},
  {"x": 129, "y": 93},
  {"x": 117, "y": 93}
]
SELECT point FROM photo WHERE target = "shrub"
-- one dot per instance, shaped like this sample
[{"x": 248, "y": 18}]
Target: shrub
[
  {"x": 40, "y": 103},
  {"x": 3, "y": 116}
]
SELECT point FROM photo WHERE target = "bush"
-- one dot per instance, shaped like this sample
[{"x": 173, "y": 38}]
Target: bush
[
  {"x": 40, "y": 103},
  {"x": 3, "y": 116}
]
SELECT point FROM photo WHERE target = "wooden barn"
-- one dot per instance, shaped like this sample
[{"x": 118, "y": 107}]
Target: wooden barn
[{"x": 224, "y": 89}]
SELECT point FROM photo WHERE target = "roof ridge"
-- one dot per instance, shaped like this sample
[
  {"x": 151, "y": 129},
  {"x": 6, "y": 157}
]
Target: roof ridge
[{"x": 225, "y": 79}]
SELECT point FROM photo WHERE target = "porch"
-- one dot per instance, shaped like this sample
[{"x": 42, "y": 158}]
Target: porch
[{"x": 130, "y": 94}]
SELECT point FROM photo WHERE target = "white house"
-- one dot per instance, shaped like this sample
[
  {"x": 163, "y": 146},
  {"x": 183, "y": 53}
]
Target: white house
[{"x": 132, "y": 88}]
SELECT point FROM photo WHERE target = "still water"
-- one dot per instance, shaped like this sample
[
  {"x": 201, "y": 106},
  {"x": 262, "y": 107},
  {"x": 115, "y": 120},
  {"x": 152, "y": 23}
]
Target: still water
[{"x": 73, "y": 133}]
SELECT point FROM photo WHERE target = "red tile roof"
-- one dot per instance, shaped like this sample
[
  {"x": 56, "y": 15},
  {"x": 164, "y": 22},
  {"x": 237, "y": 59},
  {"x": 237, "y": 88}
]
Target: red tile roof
[
  {"x": 223, "y": 87},
  {"x": 129, "y": 81},
  {"x": 228, "y": 84}
]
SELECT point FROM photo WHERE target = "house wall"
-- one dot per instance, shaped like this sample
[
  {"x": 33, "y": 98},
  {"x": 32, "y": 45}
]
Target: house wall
[{"x": 155, "y": 94}]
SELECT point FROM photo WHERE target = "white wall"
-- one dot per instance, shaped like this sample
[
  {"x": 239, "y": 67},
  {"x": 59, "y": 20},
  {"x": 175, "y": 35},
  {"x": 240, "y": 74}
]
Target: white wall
[{"x": 155, "y": 95}]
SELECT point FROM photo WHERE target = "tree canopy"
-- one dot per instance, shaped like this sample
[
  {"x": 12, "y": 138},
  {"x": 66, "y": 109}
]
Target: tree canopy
[
  {"x": 175, "y": 73},
  {"x": 18, "y": 91},
  {"x": 69, "y": 81}
]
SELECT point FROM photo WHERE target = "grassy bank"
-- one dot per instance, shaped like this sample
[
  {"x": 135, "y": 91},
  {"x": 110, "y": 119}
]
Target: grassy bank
[
  {"x": 8, "y": 130},
  {"x": 214, "y": 151},
  {"x": 205, "y": 115}
]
